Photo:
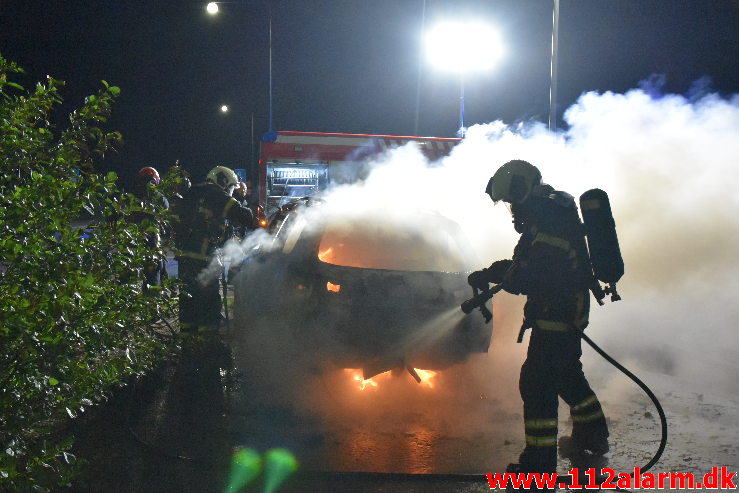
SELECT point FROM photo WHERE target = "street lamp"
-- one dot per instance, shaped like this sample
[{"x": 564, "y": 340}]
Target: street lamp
[
  {"x": 212, "y": 9},
  {"x": 463, "y": 47},
  {"x": 270, "y": 135}
]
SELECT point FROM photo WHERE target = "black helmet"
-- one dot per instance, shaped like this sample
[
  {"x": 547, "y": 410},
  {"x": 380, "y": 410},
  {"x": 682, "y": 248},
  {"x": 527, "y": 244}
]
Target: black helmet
[{"x": 513, "y": 182}]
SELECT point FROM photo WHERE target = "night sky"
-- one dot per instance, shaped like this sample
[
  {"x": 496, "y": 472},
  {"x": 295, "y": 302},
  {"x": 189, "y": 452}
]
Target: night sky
[{"x": 348, "y": 65}]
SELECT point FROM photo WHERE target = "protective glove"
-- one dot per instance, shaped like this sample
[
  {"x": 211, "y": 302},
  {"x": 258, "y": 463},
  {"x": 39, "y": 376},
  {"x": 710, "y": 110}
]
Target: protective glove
[
  {"x": 496, "y": 272},
  {"x": 478, "y": 279}
]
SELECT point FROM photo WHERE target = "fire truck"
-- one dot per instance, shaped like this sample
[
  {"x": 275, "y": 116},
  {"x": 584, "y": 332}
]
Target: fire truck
[{"x": 299, "y": 164}]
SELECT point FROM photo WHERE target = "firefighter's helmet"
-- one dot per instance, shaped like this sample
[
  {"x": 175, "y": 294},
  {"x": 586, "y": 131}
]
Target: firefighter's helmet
[
  {"x": 148, "y": 174},
  {"x": 223, "y": 177},
  {"x": 513, "y": 182}
]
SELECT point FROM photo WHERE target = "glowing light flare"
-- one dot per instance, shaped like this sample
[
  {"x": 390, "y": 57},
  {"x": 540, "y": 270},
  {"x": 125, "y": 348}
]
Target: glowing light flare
[
  {"x": 334, "y": 288},
  {"x": 279, "y": 463},
  {"x": 463, "y": 46},
  {"x": 212, "y": 8},
  {"x": 246, "y": 465}
]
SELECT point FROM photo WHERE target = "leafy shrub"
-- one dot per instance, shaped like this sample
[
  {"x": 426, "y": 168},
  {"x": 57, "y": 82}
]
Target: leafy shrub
[{"x": 76, "y": 320}]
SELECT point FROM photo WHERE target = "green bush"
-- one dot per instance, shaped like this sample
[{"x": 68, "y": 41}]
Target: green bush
[{"x": 76, "y": 321}]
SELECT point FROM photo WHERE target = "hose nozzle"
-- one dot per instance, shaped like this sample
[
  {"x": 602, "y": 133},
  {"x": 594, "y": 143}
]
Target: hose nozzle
[{"x": 479, "y": 300}]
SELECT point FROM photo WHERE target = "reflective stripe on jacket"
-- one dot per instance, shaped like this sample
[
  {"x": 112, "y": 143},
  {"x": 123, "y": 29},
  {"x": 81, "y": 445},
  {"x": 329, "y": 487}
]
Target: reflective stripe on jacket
[{"x": 550, "y": 263}]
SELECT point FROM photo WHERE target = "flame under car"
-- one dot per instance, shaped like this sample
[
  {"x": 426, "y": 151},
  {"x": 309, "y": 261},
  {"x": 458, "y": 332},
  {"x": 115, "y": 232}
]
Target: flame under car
[{"x": 365, "y": 293}]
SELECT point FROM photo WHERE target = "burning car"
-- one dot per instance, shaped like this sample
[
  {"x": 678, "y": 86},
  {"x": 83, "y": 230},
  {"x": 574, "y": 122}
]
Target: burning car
[{"x": 370, "y": 293}]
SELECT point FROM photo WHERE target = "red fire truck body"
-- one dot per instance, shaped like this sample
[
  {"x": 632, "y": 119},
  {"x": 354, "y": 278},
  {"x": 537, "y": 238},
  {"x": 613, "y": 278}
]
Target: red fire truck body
[{"x": 299, "y": 164}]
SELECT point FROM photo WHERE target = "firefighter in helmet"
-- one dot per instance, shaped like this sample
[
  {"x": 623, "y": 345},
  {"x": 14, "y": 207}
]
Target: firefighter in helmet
[
  {"x": 550, "y": 265},
  {"x": 145, "y": 191},
  {"x": 202, "y": 217}
]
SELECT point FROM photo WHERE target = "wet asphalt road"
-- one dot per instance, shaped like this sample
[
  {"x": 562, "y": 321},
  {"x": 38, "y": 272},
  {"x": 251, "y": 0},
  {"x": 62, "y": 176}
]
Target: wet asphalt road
[
  {"x": 172, "y": 433},
  {"x": 176, "y": 431}
]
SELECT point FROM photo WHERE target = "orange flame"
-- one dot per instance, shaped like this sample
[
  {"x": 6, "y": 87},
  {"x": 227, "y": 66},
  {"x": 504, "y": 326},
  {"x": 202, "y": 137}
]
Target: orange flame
[
  {"x": 363, "y": 383},
  {"x": 426, "y": 376},
  {"x": 334, "y": 288},
  {"x": 324, "y": 254}
]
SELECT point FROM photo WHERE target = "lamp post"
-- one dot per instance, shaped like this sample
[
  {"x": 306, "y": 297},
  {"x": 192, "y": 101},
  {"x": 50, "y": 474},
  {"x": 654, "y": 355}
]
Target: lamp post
[
  {"x": 553, "y": 68},
  {"x": 463, "y": 47},
  {"x": 213, "y": 9}
]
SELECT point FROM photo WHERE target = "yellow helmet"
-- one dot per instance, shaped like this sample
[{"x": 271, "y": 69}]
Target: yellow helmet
[
  {"x": 223, "y": 177},
  {"x": 513, "y": 182}
]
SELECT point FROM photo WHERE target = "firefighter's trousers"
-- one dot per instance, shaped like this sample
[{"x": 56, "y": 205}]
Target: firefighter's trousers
[
  {"x": 200, "y": 304},
  {"x": 553, "y": 369}
]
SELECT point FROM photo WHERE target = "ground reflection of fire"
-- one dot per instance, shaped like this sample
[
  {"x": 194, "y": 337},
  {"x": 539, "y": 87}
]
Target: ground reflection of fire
[{"x": 426, "y": 378}]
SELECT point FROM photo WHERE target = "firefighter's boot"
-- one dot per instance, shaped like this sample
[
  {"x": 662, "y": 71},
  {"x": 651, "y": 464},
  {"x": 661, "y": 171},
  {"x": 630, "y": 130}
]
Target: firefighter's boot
[
  {"x": 591, "y": 438},
  {"x": 538, "y": 460},
  {"x": 589, "y": 428},
  {"x": 585, "y": 447}
]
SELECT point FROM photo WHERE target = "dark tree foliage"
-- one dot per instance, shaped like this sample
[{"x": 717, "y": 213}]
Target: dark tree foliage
[{"x": 76, "y": 320}]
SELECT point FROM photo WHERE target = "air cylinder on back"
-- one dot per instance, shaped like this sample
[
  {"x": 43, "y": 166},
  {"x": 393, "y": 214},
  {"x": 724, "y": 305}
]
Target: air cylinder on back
[{"x": 600, "y": 229}]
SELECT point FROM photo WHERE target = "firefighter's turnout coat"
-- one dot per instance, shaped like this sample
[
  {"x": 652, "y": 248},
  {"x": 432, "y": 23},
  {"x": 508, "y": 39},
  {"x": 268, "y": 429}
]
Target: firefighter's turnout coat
[
  {"x": 202, "y": 218},
  {"x": 551, "y": 267},
  {"x": 550, "y": 262}
]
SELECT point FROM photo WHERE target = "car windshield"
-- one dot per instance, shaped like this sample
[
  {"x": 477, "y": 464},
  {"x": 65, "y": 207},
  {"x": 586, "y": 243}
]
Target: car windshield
[{"x": 384, "y": 246}]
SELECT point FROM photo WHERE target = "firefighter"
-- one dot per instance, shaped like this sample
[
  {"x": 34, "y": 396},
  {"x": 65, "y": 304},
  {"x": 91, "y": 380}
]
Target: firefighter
[
  {"x": 145, "y": 183},
  {"x": 241, "y": 194},
  {"x": 550, "y": 265},
  {"x": 202, "y": 217}
]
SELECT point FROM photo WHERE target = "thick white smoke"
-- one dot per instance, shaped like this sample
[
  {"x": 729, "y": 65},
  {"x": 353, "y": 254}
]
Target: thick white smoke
[{"x": 669, "y": 166}]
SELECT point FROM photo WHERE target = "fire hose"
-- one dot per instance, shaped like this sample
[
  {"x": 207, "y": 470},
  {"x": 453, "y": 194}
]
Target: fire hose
[{"x": 480, "y": 298}]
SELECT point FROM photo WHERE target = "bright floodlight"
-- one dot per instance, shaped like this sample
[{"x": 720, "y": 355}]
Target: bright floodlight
[
  {"x": 224, "y": 108},
  {"x": 463, "y": 46},
  {"x": 212, "y": 8}
]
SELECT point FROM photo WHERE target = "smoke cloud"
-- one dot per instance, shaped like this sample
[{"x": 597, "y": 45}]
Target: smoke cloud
[{"x": 669, "y": 165}]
